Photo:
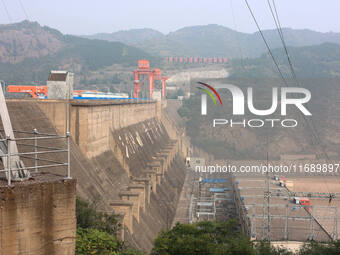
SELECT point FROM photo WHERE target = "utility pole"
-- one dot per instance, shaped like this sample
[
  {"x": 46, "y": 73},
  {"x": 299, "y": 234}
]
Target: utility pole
[{"x": 268, "y": 200}]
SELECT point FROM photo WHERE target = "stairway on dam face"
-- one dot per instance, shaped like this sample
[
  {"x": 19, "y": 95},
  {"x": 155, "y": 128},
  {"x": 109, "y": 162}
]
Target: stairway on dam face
[{"x": 139, "y": 173}]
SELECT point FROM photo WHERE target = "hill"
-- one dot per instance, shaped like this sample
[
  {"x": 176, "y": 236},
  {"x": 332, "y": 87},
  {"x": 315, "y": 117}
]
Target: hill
[
  {"x": 150, "y": 40},
  {"x": 133, "y": 36},
  {"x": 29, "y": 51},
  {"x": 317, "y": 68},
  {"x": 317, "y": 61},
  {"x": 214, "y": 40}
]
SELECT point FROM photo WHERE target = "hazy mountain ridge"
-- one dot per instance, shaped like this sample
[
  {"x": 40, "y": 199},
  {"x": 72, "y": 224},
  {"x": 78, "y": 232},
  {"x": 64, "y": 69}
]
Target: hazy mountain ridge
[
  {"x": 28, "y": 51},
  {"x": 313, "y": 61},
  {"x": 317, "y": 68},
  {"x": 215, "y": 40},
  {"x": 133, "y": 36}
]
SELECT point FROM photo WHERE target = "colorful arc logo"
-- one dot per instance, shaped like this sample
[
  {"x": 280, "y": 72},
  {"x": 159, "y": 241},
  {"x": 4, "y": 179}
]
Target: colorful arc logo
[{"x": 204, "y": 97}]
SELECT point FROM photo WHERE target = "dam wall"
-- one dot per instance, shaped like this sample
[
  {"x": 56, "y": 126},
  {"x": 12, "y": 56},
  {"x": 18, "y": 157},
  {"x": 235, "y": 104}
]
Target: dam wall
[
  {"x": 90, "y": 121},
  {"x": 126, "y": 158},
  {"x": 33, "y": 219}
]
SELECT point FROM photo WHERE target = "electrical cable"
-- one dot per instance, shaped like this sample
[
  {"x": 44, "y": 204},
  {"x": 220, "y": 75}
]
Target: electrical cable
[
  {"x": 266, "y": 43},
  {"x": 6, "y": 10},
  {"x": 310, "y": 123},
  {"x": 278, "y": 25},
  {"x": 237, "y": 35},
  {"x": 23, "y": 8},
  {"x": 279, "y": 29}
]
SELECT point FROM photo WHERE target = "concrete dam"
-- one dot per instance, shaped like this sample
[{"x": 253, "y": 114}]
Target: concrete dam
[{"x": 127, "y": 158}]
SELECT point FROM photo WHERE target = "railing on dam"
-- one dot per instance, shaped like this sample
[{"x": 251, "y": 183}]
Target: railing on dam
[
  {"x": 103, "y": 101},
  {"x": 38, "y": 150}
]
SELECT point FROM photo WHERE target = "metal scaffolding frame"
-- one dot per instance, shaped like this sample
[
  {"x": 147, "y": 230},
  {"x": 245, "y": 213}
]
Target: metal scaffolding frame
[
  {"x": 207, "y": 198},
  {"x": 310, "y": 219},
  {"x": 248, "y": 214}
]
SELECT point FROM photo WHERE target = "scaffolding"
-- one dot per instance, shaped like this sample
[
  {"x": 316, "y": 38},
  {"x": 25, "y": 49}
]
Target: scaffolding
[
  {"x": 287, "y": 222},
  {"x": 281, "y": 220},
  {"x": 208, "y": 200}
]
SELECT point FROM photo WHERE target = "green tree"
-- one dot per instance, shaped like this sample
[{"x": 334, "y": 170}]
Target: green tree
[
  {"x": 315, "y": 248},
  {"x": 203, "y": 238},
  {"x": 88, "y": 217},
  {"x": 131, "y": 252},
  {"x": 264, "y": 248},
  {"x": 97, "y": 232},
  {"x": 94, "y": 241}
]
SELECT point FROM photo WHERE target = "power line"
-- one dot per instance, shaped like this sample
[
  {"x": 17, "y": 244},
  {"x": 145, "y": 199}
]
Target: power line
[
  {"x": 311, "y": 125},
  {"x": 10, "y": 21},
  {"x": 278, "y": 24},
  {"x": 266, "y": 195},
  {"x": 309, "y": 122},
  {"x": 6, "y": 10},
  {"x": 237, "y": 35},
  {"x": 293, "y": 71},
  {"x": 23, "y": 8},
  {"x": 314, "y": 133},
  {"x": 279, "y": 29},
  {"x": 265, "y": 41}
]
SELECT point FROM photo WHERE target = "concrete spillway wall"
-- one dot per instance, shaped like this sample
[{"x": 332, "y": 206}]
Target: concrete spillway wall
[
  {"x": 91, "y": 122},
  {"x": 126, "y": 158}
]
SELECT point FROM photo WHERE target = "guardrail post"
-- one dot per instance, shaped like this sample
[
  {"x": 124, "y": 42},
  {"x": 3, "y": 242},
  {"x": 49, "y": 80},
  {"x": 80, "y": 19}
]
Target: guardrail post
[
  {"x": 68, "y": 156},
  {"x": 8, "y": 139},
  {"x": 35, "y": 150}
]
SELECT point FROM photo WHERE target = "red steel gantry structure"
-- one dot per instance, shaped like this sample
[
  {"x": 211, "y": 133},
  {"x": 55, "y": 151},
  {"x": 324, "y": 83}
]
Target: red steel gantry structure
[
  {"x": 152, "y": 74},
  {"x": 34, "y": 91}
]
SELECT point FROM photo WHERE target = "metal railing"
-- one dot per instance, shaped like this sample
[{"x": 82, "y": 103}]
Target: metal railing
[{"x": 36, "y": 153}]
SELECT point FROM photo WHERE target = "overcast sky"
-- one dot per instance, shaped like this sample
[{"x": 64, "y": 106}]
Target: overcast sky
[{"x": 94, "y": 16}]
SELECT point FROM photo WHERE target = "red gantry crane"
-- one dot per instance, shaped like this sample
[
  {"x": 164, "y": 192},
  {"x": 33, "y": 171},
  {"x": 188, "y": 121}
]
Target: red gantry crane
[
  {"x": 151, "y": 74},
  {"x": 164, "y": 79}
]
